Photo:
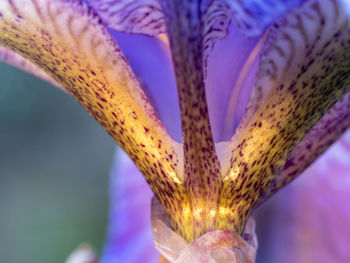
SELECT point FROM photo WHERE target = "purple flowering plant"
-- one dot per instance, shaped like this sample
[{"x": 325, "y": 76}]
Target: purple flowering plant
[{"x": 218, "y": 103}]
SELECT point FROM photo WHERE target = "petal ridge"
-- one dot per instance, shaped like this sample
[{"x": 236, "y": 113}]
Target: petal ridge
[
  {"x": 68, "y": 41},
  {"x": 304, "y": 70}
]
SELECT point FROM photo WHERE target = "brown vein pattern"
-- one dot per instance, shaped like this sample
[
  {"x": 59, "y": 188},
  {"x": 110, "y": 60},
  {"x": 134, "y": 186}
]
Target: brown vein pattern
[
  {"x": 216, "y": 20},
  {"x": 304, "y": 71},
  {"x": 67, "y": 41},
  {"x": 130, "y": 16},
  {"x": 253, "y": 16}
]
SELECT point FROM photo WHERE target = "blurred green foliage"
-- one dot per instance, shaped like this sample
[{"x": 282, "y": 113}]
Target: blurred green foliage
[{"x": 54, "y": 165}]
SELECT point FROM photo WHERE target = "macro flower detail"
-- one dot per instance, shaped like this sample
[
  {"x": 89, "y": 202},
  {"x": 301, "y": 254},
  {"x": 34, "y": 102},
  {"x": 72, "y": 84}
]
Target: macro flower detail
[
  {"x": 249, "y": 125},
  {"x": 312, "y": 214}
]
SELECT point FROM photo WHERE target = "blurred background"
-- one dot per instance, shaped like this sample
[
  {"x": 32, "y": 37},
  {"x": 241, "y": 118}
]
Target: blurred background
[{"x": 54, "y": 165}]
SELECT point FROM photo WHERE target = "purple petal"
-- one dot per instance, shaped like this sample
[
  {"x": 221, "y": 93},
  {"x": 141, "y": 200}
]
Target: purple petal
[
  {"x": 232, "y": 64},
  {"x": 254, "y": 16},
  {"x": 310, "y": 220},
  {"x": 147, "y": 17},
  {"x": 302, "y": 73},
  {"x": 151, "y": 62},
  {"x": 68, "y": 41},
  {"x": 129, "y": 236},
  {"x": 130, "y": 16},
  {"x": 227, "y": 93},
  {"x": 230, "y": 80}
]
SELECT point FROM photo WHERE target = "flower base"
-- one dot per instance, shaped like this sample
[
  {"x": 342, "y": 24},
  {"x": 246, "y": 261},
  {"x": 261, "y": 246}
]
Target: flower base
[{"x": 218, "y": 246}]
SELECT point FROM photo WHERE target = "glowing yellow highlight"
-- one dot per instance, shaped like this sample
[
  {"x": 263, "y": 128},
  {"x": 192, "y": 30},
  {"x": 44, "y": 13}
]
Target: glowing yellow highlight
[
  {"x": 212, "y": 212},
  {"x": 232, "y": 175},
  {"x": 172, "y": 175},
  {"x": 187, "y": 211},
  {"x": 198, "y": 212},
  {"x": 224, "y": 211},
  {"x": 71, "y": 46}
]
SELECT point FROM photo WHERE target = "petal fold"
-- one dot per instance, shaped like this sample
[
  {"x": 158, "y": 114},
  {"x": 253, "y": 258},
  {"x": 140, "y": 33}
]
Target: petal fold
[
  {"x": 304, "y": 70},
  {"x": 68, "y": 41},
  {"x": 232, "y": 65}
]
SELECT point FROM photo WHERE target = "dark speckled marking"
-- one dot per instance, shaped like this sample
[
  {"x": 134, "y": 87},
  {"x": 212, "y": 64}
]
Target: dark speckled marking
[
  {"x": 314, "y": 72},
  {"x": 332, "y": 125},
  {"x": 202, "y": 170},
  {"x": 302, "y": 74},
  {"x": 67, "y": 41}
]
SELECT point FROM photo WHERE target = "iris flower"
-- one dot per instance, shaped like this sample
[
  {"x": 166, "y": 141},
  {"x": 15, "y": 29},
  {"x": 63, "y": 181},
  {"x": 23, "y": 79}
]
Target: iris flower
[{"x": 259, "y": 89}]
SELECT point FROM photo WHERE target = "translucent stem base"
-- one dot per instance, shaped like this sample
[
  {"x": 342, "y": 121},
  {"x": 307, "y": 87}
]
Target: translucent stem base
[{"x": 220, "y": 246}]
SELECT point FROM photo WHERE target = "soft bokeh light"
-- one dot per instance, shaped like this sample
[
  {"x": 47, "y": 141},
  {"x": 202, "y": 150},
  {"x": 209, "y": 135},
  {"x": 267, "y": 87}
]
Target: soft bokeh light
[{"x": 54, "y": 168}]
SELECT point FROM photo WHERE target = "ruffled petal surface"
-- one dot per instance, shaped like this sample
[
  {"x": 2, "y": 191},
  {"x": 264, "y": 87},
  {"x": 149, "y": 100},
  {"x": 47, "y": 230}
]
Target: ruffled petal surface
[{"x": 225, "y": 89}]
